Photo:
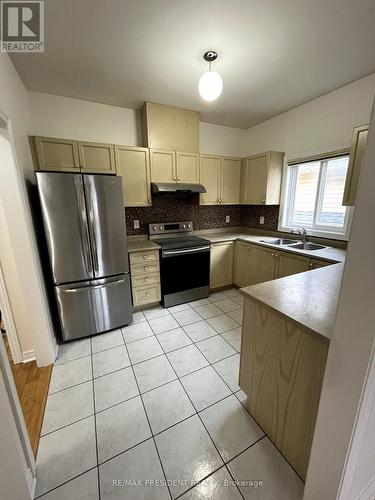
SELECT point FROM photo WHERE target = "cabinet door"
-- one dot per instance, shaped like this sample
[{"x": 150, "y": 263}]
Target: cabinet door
[
  {"x": 231, "y": 181},
  {"x": 317, "y": 263},
  {"x": 241, "y": 263},
  {"x": 357, "y": 152},
  {"x": 210, "y": 174},
  {"x": 96, "y": 158},
  {"x": 221, "y": 264},
  {"x": 262, "y": 264},
  {"x": 287, "y": 264},
  {"x": 170, "y": 128},
  {"x": 187, "y": 167},
  {"x": 163, "y": 165},
  {"x": 56, "y": 154},
  {"x": 255, "y": 180},
  {"x": 133, "y": 165}
]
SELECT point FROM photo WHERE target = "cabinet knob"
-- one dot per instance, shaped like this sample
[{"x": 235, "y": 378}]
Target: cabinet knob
[
  {"x": 178, "y": 178},
  {"x": 146, "y": 279},
  {"x": 145, "y": 268},
  {"x": 147, "y": 294},
  {"x": 145, "y": 257}
]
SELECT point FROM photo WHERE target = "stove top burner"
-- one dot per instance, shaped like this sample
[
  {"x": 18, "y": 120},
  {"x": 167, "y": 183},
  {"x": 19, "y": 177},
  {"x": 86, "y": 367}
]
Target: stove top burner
[{"x": 181, "y": 242}]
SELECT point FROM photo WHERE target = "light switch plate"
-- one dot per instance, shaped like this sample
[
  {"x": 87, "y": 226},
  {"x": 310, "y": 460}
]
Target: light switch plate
[
  {"x": 261, "y": 219},
  {"x": 136, "y": 224},
  {"x": 227, "y": 218}
]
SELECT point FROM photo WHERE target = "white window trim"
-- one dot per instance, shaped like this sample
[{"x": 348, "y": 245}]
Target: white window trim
[{"x": 286, "y": 206}]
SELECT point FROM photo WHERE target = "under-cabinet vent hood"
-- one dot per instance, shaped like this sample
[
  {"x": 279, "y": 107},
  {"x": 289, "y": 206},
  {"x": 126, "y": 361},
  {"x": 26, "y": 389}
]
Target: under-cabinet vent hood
[{"x": 177, "y": 187}]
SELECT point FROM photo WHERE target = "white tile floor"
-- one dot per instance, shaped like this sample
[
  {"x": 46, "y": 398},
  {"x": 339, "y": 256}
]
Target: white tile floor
[{"x": 158, "y": 404}]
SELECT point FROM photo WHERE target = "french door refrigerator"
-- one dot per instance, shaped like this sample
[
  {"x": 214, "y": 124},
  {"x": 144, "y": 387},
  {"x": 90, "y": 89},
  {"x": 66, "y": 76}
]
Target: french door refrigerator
[{"x": 84, "y": 222}]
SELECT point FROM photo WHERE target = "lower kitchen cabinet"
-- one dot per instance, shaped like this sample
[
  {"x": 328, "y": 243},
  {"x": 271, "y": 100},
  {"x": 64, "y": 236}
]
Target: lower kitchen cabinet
[
  {"x": 133, "y": 165},
  {"x": 262, "y": 264},
  {"x": 145, "y": 275},
  {"x": 317, "y": 263},
  {"x": 241, "y": 264},
  {"x": 221, "y": 273},
  {"x": 287, "y": 264}
]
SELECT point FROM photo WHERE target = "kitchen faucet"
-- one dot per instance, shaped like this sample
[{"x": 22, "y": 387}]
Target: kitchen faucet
[{"x": 302, "y": 232}]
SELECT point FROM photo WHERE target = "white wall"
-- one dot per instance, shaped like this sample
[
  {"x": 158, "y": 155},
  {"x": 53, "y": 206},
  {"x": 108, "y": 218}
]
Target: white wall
[
  {"x": 18, "y": 254},
  {"x": 68, "y": 118},
  {"x": 220, "y": 140},
  {"x": 321, "y": 125}
]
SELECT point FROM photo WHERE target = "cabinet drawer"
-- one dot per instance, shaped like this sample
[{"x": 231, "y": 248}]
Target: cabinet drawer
[
  {"x": 146, "y": 294},
  {"x": 147, "y": 279},
  {"x": 140, "y": 257},
  {"x": 145, "y": 268}
]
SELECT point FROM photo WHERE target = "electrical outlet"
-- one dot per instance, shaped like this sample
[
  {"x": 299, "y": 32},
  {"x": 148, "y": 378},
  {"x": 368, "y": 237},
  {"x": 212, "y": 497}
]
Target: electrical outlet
[
  {"x": 261, "y": 219},
  {"x": 136, "y": 224},
  {"x": 227, "y": 218}
]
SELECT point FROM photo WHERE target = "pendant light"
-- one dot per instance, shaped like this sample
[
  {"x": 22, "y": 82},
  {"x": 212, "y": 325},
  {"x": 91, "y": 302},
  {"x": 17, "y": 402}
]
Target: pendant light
[{"x": 210, "y": 83}]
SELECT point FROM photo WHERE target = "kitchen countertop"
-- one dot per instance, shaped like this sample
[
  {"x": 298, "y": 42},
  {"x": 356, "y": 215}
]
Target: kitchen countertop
[
  {"x": 329, "y": 253},
  {"x": 309, "y": 298},
  {"x": 141, "y": 245}
]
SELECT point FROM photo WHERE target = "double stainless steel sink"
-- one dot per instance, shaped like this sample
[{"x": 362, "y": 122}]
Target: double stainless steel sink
[{"x": 294, "y": 244}]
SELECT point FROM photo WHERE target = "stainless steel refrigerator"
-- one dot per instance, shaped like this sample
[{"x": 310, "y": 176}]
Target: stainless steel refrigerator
[{"x": 84, "y": 222}]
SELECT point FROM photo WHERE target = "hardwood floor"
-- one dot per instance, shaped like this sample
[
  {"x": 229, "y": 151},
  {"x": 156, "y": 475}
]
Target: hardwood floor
[{"x": 32, "y": 387}]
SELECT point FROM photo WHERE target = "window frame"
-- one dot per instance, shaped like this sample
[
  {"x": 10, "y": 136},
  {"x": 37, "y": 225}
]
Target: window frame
[{"x": 288, "y": 198}]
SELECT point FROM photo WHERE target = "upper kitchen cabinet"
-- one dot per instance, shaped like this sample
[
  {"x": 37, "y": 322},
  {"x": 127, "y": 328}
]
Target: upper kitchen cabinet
[
  {"x": 65, "y": 155},
  {"x": 52, "y": 154},
  {"x": 210, "y": 169},
  {"x": 357, "y": 151},
  {"x": 163, "y": 165},
  {"x": 96, "y": 158},
  {"x": 230, "y": 181},
  {"x": 133, "y": 165},
  {"x": 221, "y": 176},
  {"x": 187, "y": 167},
  {"x": 261, "y": 178},
  {"x": 170, "y": 128}
]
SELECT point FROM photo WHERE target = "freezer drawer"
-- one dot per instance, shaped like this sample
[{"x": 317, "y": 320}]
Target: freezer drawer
[{"x": 91, "y": 307}]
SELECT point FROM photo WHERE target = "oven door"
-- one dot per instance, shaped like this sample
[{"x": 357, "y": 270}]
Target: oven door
[{"x": 185, "y": 274}]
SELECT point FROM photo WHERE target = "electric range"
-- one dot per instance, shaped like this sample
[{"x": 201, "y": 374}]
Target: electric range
[{"x": 184, "y": 262}]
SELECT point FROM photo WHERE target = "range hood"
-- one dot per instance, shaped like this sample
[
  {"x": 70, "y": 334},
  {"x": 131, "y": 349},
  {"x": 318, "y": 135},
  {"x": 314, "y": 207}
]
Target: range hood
[{"x": 177, "y": 187}]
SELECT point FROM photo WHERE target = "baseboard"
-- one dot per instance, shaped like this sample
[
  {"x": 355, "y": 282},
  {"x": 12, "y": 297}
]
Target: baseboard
[{"x": 28, "y": 356}]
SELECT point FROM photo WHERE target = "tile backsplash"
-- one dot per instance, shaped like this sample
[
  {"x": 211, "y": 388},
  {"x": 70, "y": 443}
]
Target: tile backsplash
[{"x": 171, "y": 207}]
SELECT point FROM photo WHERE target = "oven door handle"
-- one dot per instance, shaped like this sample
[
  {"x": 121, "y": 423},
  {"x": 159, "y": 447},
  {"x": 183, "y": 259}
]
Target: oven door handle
[{"x": 167, "y": 253}]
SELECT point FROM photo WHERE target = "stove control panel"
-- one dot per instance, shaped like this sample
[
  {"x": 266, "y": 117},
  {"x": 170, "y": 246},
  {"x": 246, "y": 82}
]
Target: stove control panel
[{"x": 170, "y": 227}]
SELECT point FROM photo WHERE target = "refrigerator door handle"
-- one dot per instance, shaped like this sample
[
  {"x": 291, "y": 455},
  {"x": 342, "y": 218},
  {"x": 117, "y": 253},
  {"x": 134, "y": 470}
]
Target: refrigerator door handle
[
  {"x": 90, "y": 209},
  {"x": 83, "y": 227},
  {"x": 94, "y": 287}
]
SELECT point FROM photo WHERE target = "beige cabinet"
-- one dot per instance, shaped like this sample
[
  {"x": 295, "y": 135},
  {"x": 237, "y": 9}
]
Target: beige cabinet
[
  {"x": 357, "y": 151},
  {"x": 145, "y": 276},
  {"x": 187, "y": 167},
  {"x": 288, "y": 264},
  {"x": 163, "y": 165},
  {"x": 221, "y": 176},
  {"x": 52, "y": 154},
  {"x": 210, "y": 169},
  {"x": 96, "y": 158},
  {"x": 241, "y": 263},
  {"x": 230, "y": 181},
  {"x": 133, "y": 165},
  {"x": 170, "y": 128},
  {"x": 317, "y": 263},
  {"x": 221, "y": 264},
  {"x": 262, "y": 264},
  {"x": 261, "y": 178}
]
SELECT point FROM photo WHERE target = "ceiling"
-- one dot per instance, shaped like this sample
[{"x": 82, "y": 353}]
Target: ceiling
[{"x": 273, "y": 55}]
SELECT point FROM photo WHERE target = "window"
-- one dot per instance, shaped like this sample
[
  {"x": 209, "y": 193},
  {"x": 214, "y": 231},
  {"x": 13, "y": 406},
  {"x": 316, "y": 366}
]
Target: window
[{"x": 313, "y": 197}]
